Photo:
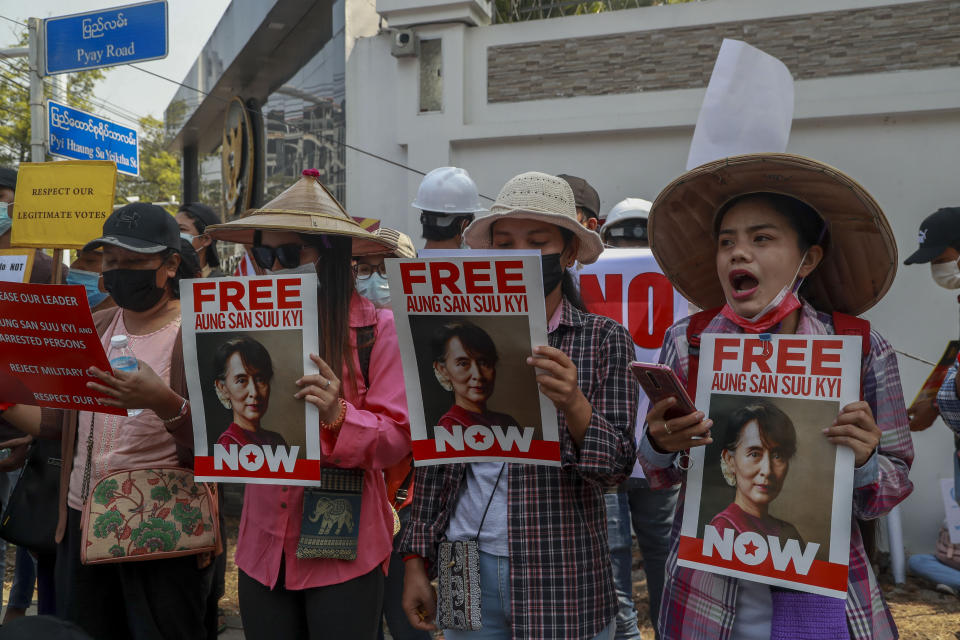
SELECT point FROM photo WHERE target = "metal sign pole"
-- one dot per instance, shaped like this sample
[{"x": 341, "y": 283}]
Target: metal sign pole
[{"x": 37, "y": 119}]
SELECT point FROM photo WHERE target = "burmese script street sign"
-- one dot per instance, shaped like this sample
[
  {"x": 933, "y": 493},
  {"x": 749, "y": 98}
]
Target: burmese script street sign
[
  {"x": 80, "y": 135},
  {"x": 105, "y": 38}
]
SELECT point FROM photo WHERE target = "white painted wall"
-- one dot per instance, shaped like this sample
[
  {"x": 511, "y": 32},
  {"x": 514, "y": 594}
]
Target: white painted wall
[{"x": 896, "y": 133}]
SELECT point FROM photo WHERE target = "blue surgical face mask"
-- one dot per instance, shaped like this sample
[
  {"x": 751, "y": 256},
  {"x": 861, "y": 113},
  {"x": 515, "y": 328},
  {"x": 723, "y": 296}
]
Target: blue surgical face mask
[
  {"x": 375, "y": 289},
  {"x": 90, "y": 281},
  {"x": 5, "y": 221}
]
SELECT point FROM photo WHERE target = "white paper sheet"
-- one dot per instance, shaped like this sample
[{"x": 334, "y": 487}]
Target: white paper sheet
[{"x": 748, "y": 107}]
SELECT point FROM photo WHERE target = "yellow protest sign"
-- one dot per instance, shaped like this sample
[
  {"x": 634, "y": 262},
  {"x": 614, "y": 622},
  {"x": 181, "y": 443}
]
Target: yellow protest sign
[{"x": 62, "y": 205}]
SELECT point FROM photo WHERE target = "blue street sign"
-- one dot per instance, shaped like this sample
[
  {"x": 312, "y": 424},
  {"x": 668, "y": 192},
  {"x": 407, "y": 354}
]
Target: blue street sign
[
  {"x": 105, "y": 38},
  {"x": 80, "y": 135}
]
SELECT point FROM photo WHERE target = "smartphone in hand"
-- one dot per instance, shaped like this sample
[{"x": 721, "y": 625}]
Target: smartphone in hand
[{"x": 659, "y": 381}]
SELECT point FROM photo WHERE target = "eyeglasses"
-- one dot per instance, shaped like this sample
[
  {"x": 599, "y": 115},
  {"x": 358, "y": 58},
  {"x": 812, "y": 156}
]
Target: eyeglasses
[
  {"x": 364, "y": 271},
  {"x": 288, "y": 255}
]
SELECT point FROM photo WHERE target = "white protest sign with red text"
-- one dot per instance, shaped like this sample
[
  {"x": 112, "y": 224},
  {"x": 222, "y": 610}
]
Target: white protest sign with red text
[
  {"x": 466, "y": 324},
  {"x": 47, "y": 343},
  {"x": 769, "y": 500},
  {"x": 245, "y": 343},
  {"x": 627, "y": 285}
]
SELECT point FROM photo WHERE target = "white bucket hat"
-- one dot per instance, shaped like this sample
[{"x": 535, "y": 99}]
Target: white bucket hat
[{"x": 536, "y": 196}]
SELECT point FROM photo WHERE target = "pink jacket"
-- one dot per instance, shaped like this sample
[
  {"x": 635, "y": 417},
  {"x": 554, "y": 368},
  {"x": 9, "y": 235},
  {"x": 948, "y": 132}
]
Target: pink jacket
[{"x": 375, "y": 434}]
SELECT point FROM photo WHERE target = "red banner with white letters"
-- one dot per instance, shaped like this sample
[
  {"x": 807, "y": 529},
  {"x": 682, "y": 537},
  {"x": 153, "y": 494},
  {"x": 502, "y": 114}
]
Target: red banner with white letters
[{"x": 47, "y": 343}]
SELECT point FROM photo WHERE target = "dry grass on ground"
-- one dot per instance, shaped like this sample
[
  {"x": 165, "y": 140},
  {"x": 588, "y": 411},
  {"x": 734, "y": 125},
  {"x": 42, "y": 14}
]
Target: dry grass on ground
[{"x": 921, "y": 612}]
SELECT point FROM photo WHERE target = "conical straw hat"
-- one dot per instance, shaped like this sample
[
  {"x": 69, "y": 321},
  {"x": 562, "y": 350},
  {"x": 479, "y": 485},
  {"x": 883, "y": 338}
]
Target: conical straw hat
[
  {"x": 305, "y": 207},
  {"x": 861, "y": 258}
]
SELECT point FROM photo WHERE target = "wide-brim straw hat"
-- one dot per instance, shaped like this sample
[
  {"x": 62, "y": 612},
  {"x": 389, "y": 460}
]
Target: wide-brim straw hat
[
  {"x": 861, "y": 259},
  {"x": 536, "y": 196},
  {"x": 306, "y": 207}
]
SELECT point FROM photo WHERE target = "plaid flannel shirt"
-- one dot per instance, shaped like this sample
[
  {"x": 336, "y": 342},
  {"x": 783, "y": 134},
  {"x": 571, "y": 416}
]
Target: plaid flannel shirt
[
  {"x": 948, "y": 402},
  {"x": 698, "y": 605},
  {"x": 561, "y": 584}
]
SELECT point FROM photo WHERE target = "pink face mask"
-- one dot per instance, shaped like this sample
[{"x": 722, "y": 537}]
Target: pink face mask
[{"x": 782, "y": 305}]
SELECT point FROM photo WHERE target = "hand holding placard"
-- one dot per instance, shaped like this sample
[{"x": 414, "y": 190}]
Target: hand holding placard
[
  {"x": 558, "y": 381},
  {"x": 321, "y": 390},
  {"x": 856, "y": 428}
]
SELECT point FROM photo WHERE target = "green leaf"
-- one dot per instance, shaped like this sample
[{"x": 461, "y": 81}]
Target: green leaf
[
  {"x": 107, "y": 523},
  {"x": 104, "y": 491},
  {"x": 155, "y": 534},
  {"x": 160, "y": 493},
  {"x": 187, "y": 516}
]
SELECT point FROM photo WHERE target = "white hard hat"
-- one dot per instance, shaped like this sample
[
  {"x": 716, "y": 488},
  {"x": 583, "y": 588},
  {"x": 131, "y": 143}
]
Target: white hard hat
[
  {"x": 626, "y": 209},
  {"x": 448, "y": 190}
]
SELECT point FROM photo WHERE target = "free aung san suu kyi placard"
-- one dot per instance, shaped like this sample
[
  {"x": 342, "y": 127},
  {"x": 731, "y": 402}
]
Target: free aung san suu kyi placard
[
  {"x": 769, "y": 500},
  {"x": 246, "y": 341},
  {"x": 466, "y": 325}
]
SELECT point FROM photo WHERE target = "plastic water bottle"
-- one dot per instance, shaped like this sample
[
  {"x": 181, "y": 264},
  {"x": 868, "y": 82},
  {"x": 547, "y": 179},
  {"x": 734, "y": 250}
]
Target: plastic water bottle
[{"x": 122, "y": 359}]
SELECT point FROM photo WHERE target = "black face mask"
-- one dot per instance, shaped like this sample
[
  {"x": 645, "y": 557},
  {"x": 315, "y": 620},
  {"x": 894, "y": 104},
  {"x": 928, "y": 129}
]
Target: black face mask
[
  {"x": 133, "y": 289},
  {"x": 552, "y": 271}
]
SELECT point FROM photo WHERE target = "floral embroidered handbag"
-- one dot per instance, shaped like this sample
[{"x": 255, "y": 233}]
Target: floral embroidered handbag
[{"x": 149, "y": 514}]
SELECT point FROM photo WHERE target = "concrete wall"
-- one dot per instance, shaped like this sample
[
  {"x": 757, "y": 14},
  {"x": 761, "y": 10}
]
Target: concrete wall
[{"x": 892, "y": 128}]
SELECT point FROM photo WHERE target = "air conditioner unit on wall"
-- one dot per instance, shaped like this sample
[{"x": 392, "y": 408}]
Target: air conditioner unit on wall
[{"x": 405, "y": 44}]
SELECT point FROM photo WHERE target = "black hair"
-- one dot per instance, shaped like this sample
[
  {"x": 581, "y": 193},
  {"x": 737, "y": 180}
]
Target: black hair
[
  {"x": 809, "y": 226},
  {"x": 776, "y": 428},
  {"x": 253, "y": 355},
  {"x": 192, "y": 210},
  {"x": 587, "y": 213},
  {"x": 568, "y": 286},
  {"x": 452, "y": 230},
  {"x": 189, "y": 266},
  {"x": 189, "y": 261},
  {"x": 336, "y": 287},
  {"x": 476, "y": 342}
]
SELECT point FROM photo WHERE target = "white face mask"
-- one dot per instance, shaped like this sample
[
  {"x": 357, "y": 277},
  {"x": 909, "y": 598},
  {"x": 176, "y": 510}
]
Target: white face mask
[
  {"x": 375, "y": 289},
  {"x": 946, "y": 274}
]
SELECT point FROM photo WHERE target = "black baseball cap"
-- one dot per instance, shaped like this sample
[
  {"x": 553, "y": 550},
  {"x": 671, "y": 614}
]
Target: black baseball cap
[
  {"x": 938, "y": 231},
  {"x": 139, "y": 227},
  {"x": 585, "y": 196},
  {"x": 202, "y": 211},
  {"x": 8, "y": 178}
]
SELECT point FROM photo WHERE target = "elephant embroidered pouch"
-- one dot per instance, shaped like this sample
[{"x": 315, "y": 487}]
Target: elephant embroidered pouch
[
  {"x": 458, "y": 585},
  {"x": 331, "y": 515},
  {"x": 149, "y": 514}
]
